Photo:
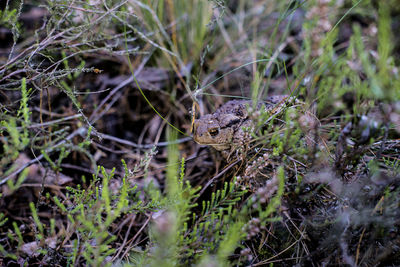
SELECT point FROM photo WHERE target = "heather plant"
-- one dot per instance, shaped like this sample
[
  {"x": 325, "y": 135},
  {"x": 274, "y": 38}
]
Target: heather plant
[{"x": 97, "y": 99}]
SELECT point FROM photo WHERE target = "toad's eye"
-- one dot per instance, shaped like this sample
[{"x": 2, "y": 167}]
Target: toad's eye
[{"x": 213, "y": 131}]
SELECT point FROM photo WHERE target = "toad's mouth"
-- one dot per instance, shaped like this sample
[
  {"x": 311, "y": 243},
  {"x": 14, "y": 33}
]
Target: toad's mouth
[
  {"x": 210, "y": 143},
  {"x": 217, "y": 146}
]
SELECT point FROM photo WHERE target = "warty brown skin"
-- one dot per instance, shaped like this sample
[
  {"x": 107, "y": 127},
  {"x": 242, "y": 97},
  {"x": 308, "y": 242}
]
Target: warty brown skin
[{"x": 223, "y": 129}]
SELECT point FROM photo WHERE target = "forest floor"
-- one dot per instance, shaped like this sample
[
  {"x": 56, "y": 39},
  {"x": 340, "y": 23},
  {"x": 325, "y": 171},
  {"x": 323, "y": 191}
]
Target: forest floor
[{"x": 98, "y": 164}]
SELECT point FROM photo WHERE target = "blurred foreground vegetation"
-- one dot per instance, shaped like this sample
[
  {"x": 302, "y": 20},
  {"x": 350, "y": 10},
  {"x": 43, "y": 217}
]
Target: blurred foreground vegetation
[{"x": 97, "y": 164}]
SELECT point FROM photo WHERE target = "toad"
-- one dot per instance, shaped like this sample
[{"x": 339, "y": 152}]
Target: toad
[{"x": 225, "y": 129}]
